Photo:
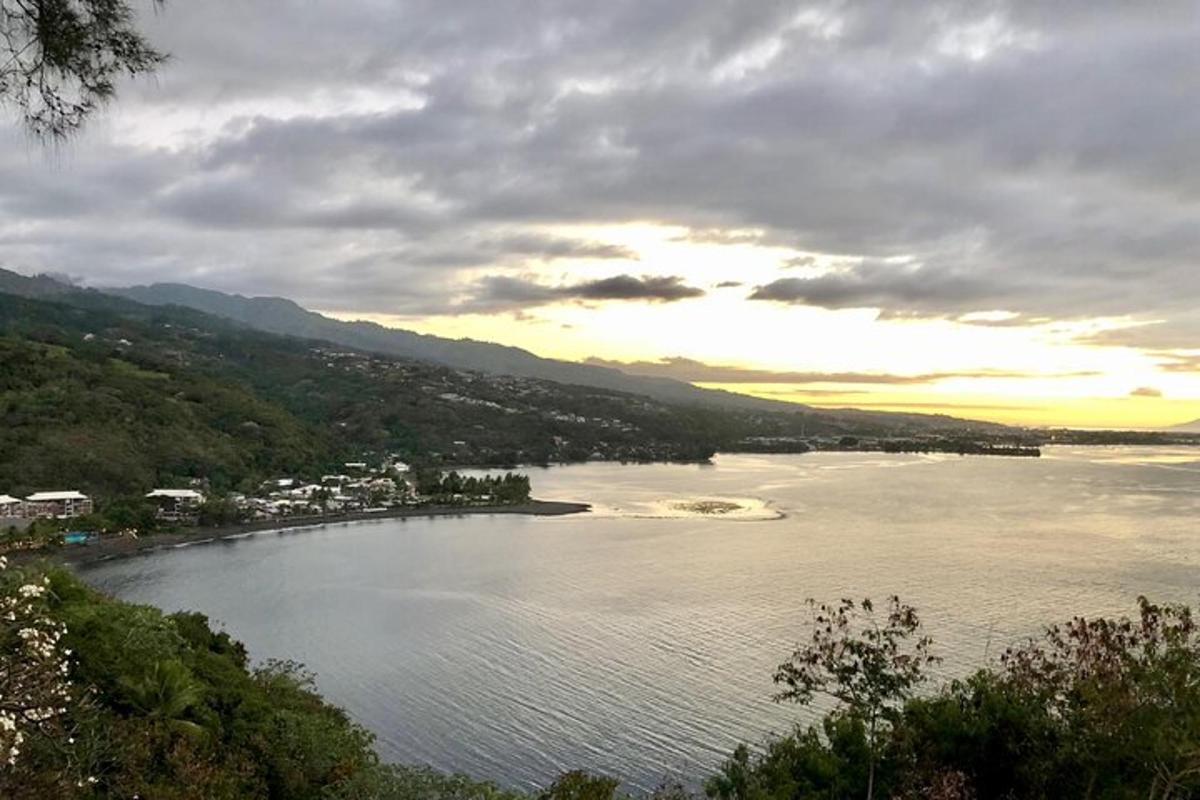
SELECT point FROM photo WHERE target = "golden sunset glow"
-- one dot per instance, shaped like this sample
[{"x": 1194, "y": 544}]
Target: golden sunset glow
[{"x": 975, "y": 366}]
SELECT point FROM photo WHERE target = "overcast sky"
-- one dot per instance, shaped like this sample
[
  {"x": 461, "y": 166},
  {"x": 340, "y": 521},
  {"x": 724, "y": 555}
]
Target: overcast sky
[{"x": 905, "y": 189}]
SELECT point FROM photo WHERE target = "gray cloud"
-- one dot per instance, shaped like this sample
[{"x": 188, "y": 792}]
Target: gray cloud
[
  {"x": 692, "y": 371},
  {"x": 722, "y": 236},
  {"x": 1146, "y": 391},
  {"x": 498, "y": 292},
  {"x": 945, "y": 408},
  {"x": 813, "y": 393},
  {"x": 894, "y": 287},
  {"x": 1178, "y": 362},
  {"x": 550, "y": 248},
  {"x": 1164, "y": 334},
  {"x": 1041, "y": 158}
]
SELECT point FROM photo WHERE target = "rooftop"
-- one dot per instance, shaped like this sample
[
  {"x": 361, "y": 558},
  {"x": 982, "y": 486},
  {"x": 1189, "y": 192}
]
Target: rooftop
[
  {"x": 38, "y": 497},
  {"x": 178, "y": 494}
]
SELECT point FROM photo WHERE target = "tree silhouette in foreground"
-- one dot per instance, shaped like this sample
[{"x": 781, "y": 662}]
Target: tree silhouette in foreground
[
  {"x": 60, "y": 59},
  {"x": 868, "y": 662}
]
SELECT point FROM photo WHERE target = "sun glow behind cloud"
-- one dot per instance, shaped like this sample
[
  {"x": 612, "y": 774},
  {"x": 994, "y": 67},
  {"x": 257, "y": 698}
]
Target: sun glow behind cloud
[{"x": 1050, "y": 377}]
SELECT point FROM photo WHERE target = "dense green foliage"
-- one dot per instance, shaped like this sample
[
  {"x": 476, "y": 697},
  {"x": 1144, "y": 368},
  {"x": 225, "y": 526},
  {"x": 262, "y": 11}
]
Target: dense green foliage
[
  {"x": 1097, "y": 709},
  {"x": 165, "y": 708},
  {"x": 85, "y": 415},
  {"x": 443, "y": 488},
  {"x": 867, "y": 662}
]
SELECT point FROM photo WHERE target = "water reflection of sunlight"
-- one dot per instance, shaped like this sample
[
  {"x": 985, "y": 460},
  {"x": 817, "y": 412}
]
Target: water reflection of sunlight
[{"x": 1185, "y": 458}]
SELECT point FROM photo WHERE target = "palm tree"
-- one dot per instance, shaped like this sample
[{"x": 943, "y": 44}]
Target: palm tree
[{"x": 164, "y": 695}]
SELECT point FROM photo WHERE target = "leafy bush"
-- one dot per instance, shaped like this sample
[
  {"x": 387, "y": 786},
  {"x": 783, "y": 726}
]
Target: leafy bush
[
  {"x": 1097, "y": 708},
  {"x": 164, "y": 707}
]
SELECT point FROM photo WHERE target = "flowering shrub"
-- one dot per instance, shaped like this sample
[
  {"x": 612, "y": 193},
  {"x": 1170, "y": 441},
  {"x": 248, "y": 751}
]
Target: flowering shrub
[{"x": 34, "y": 687}]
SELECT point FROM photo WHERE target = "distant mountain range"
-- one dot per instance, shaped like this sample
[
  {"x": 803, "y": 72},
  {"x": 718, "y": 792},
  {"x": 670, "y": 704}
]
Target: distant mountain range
[
  {"x": 1187, "y": 427},
  {"x": 282, "y": 316},
  {"x": 285, "y": 317}
]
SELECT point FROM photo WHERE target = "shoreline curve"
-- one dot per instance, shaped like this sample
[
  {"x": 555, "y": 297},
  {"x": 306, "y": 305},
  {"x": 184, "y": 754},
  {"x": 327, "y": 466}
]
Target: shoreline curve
[{"x": 107, "y": 549}]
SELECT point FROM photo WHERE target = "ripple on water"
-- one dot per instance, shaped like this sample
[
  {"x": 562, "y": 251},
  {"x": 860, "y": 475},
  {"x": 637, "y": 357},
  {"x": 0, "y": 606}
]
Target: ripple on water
[{"x": 639, "y": 640}]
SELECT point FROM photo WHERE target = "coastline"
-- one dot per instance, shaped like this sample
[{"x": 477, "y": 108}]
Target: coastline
[{"x": 106, "y": 549}]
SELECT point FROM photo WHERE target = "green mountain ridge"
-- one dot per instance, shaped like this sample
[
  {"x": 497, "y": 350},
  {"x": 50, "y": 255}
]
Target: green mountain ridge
[
  {"x": 283, "y": 316},
  {"x": 105, "y": 394}
]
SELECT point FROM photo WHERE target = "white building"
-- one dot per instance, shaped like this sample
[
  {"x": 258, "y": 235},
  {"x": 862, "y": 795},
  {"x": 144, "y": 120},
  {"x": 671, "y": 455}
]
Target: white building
[
  {"x": 176, "y": 504},
  {"x": 11, "y": 506},
  {"x": 58, "y": 504}
]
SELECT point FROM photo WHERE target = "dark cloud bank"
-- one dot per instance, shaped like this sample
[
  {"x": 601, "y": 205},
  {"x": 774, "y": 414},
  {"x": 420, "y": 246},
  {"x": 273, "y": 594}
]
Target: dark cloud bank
[
  {"x": 503, "y": 293},
  {"x": 1038, "y": 157}
]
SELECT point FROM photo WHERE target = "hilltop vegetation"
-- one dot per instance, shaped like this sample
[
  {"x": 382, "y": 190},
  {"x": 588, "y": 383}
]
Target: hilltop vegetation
[
  {"x": 86, "y": 416},
  {"x": 104, "y": 699}
]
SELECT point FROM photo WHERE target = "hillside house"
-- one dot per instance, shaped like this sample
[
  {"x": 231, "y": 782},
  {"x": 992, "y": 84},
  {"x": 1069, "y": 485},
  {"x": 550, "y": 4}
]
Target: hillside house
[
  {"x": 176, "y": 505},
  {"x": 58, "y": 505}
]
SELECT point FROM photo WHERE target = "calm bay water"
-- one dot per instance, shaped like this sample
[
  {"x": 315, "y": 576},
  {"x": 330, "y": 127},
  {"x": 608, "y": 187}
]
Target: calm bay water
[{"x": 639, "y": 640}]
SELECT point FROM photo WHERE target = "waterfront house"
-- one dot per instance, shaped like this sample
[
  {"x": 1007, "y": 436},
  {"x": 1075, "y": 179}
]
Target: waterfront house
[
  {"x": 176, "y": 505},
  {"x": 59, "y": 505}
]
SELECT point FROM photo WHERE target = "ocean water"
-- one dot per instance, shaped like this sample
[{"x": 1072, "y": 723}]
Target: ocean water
[{"x": 639, "y": 640}]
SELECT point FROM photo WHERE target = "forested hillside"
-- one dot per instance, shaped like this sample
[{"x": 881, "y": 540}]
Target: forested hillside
[
  {"x": 111, "y": 396},
  {"x": 88, "y": 416},
  {"x": 283, "y": 316}
]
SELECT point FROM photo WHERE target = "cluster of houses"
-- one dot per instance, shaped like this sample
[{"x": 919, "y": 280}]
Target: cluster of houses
[{"x": 360, "y": 488}]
